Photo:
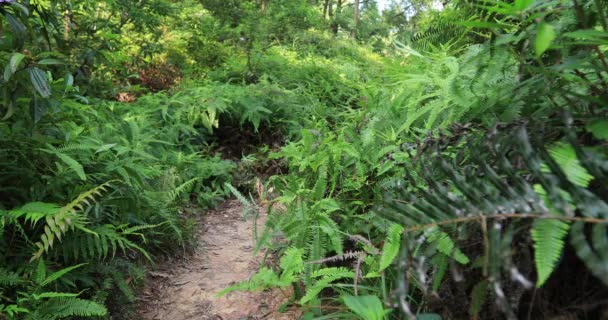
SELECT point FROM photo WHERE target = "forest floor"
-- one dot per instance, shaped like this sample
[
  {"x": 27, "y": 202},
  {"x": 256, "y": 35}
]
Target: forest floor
[{"x": 187, "y": 289}]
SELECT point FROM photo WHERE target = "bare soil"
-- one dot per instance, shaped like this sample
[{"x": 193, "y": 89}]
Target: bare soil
[{"x": 187, "y": 289}]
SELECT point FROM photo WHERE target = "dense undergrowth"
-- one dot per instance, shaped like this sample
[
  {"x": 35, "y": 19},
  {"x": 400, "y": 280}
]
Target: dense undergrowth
[{"x": 443, "y": 164}]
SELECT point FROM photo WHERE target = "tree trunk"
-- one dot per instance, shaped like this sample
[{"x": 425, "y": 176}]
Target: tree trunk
[
  {"x": 264, "y": 5},
  {"x": 356, "y": 19},
  {"x": 68, "y": 20},
  {"x": 334, "y": 23}
]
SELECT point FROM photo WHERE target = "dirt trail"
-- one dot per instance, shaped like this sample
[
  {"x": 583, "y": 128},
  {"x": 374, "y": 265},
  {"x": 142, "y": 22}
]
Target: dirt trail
[{"x": 186, "y": 289}]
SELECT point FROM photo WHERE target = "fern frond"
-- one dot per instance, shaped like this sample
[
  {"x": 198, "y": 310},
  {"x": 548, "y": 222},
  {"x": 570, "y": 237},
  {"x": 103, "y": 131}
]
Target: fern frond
[
  {"x": 320, "y": 186},
  {"x": 446, "y": 245},
  {"x": 324, "y": 278},
  {"x": 9, "y": 278},
  {"x": 66, "y": 219},
  {"x": 177, "y": 191},
  {"x": 58, "y": 274},
  {"x": 548, "y": 237},
  {"x": 392, "y": 244},
  {"x": 63, "y": 307},
  {"x": 72, "y": 163}
]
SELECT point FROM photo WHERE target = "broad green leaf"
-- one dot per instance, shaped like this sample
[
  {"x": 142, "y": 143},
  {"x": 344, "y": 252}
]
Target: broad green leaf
[
  {"x": 521, "y": 5},
  {"x": 50, "y": 61},
  {"x": 21, "y": 7},
  {"x": 599, "y": 129},
  {"x": 10, "y": 111},
  {"x": 69, "y": 80},
  {"x": 12, "y": 65},
  {"x": 545, "y": 34},
  {"x": 39, "y": 80},
  {"x": 19, "y": 29},
  {"x": 366, "y": 307}
]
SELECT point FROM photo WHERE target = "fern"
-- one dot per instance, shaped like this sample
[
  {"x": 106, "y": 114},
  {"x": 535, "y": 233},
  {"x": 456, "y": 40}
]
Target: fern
[
  {"x": 391, "y": 246},
  {"x": 8, "y": 278},
  {"x": 554, "y": 191},
  {"x": 479, "y": 295},
  {"x": 446, "y": 245},
  {"x": 323, "y": 279},
  {"x": 58, "y": 274},
  {"x": 66, "y": 218},
  {"x": 103, "y": 242},
  {"x": 63, "y": 307},
  {"x": 71, "y": 162},
  {"x": 291, "y": 263},
  {"x": 548, "y": 237},
  {"x": 318, "y": 191}
]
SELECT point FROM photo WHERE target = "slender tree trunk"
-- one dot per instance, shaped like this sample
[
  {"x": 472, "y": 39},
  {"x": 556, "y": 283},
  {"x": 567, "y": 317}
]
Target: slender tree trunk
[
  {"x": 68, "y": 20},
  {"x": 356, "y": 19},
  {"x": 325, "y": 8},
  {"x": 264, "y": 5},
  {"x": 334, "y": 23}
]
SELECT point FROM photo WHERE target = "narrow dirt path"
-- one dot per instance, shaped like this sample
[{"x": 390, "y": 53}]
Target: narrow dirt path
[{"x": 186, "y": 289}]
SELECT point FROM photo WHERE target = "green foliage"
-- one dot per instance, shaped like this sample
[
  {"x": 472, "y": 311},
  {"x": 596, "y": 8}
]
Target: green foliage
[
  {"x": 391, "y": 246},
  {"x": 548, "y": 237},
  {"x": 366, "y": 307},
  {"x": 292, "y": 266},
  {"x": 465, "y": 197},
  {"x": 322, "y": 279},
  {"x": 428, "y": 139},
  {"x": 36, "y": 301}
]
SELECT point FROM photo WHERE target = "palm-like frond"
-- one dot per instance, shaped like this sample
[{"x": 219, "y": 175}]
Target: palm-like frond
[{"x": 511, "y": 172}]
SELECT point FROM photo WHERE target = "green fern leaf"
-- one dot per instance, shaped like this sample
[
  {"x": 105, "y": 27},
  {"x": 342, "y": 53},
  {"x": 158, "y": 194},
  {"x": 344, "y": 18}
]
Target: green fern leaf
[
  {"x": 291, "y": 262},
  {"x": 51, "y": 295},
  {"x": 548, "y": 236},
  {"x": 327, "y": 276},
  {"x": 71, "y": 162},
  {"x": 64, "y": 307},
  {"x": 66, "y": 219},
  {"x": 391, "y": 246},
  {"x": 565, "y": 156},
  {"x": 58, "y": 274},
  {"x": 321, "y": 184},
  {"x": 446, "y": 245},
  {"x": 479, "y": 295},
  {"x": 8, "y": 278}
]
